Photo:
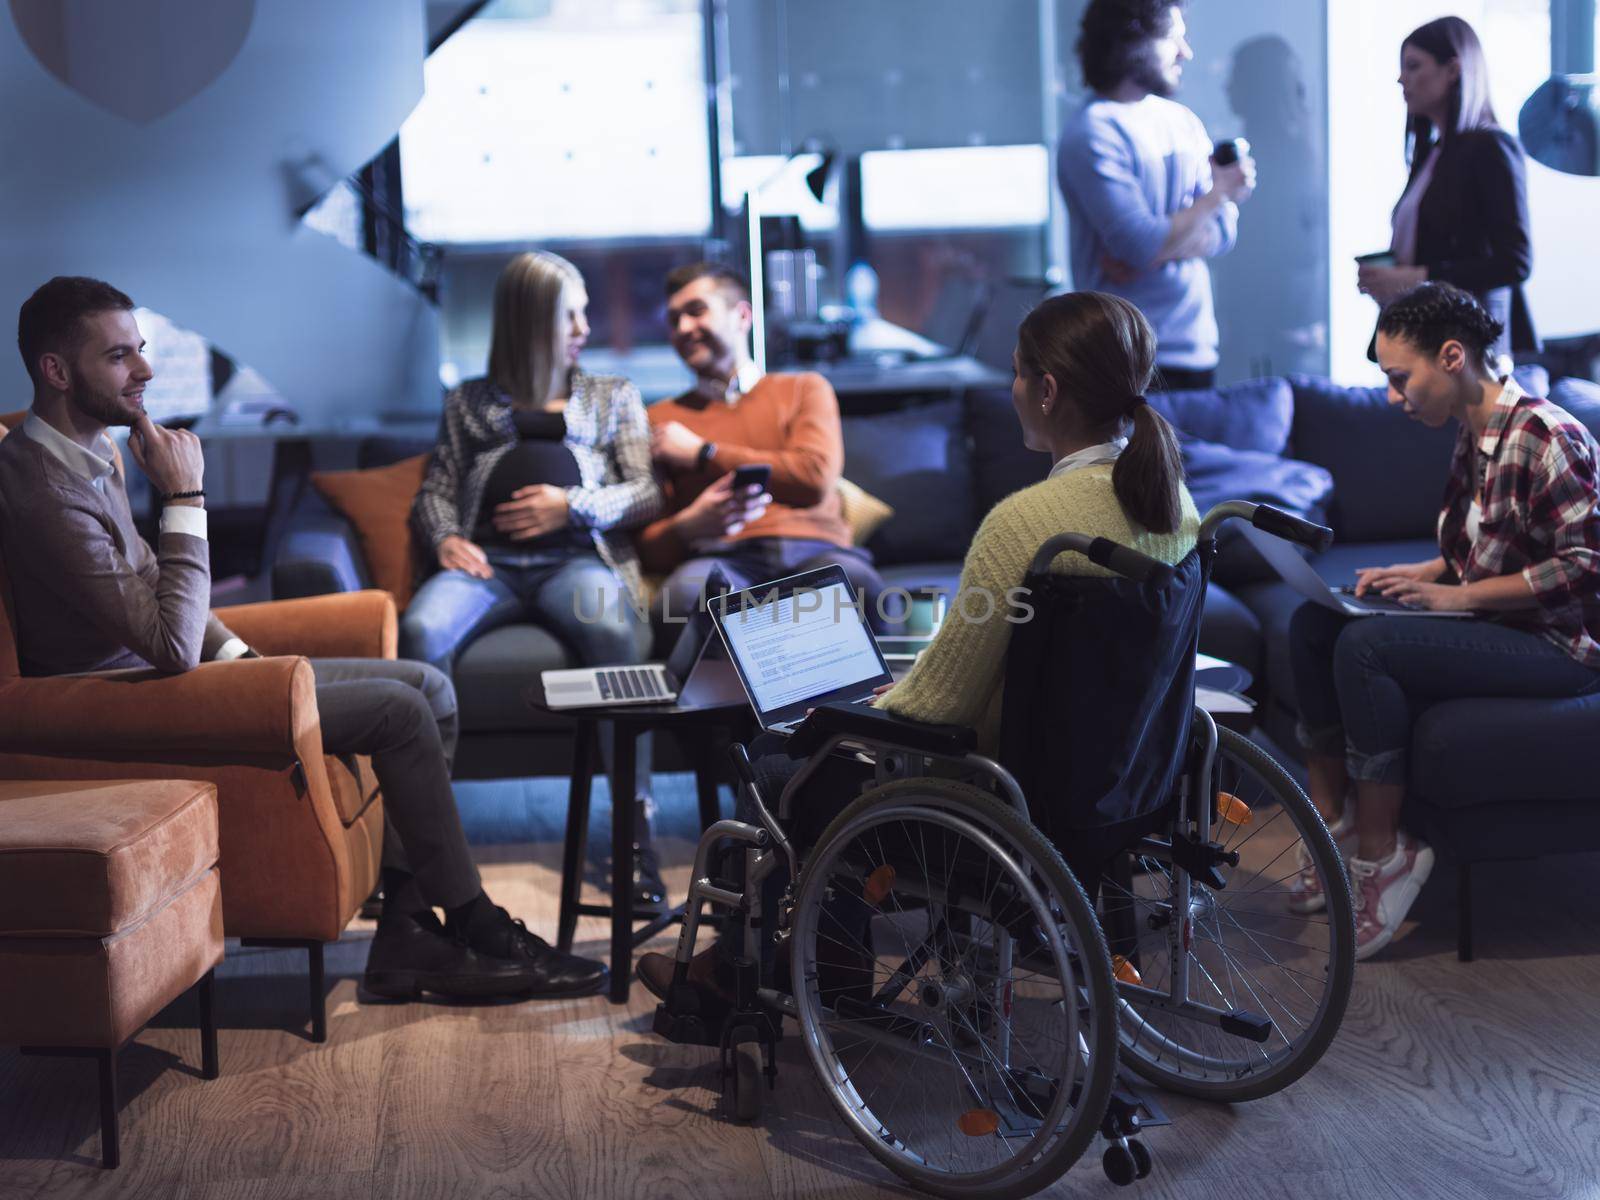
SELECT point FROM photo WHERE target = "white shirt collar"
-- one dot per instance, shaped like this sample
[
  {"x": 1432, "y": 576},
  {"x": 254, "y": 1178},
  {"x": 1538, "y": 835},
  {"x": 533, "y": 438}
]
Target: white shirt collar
[
  {"x": 744, "y": 380},
  {"x": 89, "y": 465},
  {"x": 1090, "y": 456}
]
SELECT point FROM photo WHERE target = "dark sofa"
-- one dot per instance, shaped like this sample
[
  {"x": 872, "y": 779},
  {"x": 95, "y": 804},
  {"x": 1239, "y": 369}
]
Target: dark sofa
[{"x": 1489, "y": 778}]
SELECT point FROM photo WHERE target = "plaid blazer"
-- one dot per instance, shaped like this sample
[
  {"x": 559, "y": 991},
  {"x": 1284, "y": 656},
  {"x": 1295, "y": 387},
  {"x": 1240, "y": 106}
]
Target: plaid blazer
[
  {"x": 609, "y": 436},
  {"x": 1540, "y": 479}
]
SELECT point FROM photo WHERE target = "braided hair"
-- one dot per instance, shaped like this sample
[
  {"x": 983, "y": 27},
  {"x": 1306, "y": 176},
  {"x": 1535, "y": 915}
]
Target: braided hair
[{"x": 1433, "y": 313}]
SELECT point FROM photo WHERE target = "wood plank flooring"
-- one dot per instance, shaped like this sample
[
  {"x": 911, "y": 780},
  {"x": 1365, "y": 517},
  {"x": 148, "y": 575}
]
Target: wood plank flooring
[{"x": 1477, "y": 1081}]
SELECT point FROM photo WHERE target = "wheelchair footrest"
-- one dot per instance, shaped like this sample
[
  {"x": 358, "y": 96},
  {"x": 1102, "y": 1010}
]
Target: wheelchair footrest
[
  {"x": 685, "y": 1029},
  {"x": 1244, "y": 1024}
]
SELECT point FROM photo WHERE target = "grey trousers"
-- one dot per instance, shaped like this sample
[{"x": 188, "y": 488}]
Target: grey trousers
[{"x": 403, "y": 714}]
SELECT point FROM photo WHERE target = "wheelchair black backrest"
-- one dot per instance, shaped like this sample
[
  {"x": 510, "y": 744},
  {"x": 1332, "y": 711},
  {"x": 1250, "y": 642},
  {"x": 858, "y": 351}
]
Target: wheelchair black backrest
[{"x": 1099, "y": 696}]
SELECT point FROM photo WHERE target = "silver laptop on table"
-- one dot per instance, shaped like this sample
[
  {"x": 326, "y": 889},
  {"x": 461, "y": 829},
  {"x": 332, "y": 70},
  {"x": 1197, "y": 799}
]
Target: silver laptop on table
[
  {"x": 697, "y": 674},
  {"x": 1303, "y": 578},
  {"x": 800, "y": 642}
]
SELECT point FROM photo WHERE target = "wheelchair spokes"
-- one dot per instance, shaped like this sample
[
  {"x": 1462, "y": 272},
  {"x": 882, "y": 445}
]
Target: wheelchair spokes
[
  {"x": 941, "y": 993},
  {"x": 1241, "y": 990}
]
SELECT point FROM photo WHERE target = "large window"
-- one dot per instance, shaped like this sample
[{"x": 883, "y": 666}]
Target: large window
[{"x": 572, "y": 119}]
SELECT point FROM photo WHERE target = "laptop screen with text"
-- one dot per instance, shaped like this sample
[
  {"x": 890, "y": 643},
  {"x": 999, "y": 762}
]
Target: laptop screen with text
[{"x": 800, "y": 641}]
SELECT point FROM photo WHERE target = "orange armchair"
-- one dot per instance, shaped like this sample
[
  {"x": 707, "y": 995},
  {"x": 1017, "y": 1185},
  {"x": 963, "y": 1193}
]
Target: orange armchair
[{"x": 301, "y": 833}]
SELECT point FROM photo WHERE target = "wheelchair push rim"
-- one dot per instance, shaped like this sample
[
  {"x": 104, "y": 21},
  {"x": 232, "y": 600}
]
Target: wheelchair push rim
[
  {"x": 1287, "y": 973},
  {"x": 969, "y": 1071}
]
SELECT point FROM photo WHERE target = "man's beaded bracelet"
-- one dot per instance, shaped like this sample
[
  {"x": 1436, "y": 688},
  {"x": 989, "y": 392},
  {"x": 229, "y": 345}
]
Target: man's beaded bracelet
[{"x": 169, "y": 497}]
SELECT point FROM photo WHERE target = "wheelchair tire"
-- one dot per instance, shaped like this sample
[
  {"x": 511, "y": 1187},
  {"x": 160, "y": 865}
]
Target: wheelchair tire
[
  {"x": 1289, "y": 970},
  {"x": 977, "y": 1080}
]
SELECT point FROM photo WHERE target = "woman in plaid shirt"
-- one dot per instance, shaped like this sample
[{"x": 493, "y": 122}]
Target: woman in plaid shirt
[
  {"x": 540, "y": 470},
  {"x": 1519, "y": 542}
]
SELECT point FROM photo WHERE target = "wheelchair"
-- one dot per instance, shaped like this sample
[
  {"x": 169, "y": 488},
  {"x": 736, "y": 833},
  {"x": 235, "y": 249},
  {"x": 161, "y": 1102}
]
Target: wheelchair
[{"x": 964, "y": 991}]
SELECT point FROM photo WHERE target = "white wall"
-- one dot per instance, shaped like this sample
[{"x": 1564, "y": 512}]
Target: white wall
[
  {"x": 1366, "y": 129},
  {"x": 190, "y": 212}
]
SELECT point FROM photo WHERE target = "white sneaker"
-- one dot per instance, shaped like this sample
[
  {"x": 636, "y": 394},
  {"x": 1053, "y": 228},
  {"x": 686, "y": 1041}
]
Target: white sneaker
[
  {"x": 1384, "y": 892},
  {"x": 1305, "y": 889}
]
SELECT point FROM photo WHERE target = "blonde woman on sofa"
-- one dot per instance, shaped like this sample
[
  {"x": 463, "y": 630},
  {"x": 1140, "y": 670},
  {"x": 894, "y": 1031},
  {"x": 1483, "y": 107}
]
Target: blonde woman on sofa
[
  {"x": 1519, "y": 543},
  {"x": 540, "y": 470},
  {"x": 1081, "y": 367}
]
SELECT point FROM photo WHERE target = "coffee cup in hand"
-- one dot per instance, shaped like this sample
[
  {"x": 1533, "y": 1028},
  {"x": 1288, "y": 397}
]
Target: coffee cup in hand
[{"x": 1230, "y": 150}]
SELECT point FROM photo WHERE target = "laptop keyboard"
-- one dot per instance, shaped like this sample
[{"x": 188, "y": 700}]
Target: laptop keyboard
[{"x": 630, "y": 683}]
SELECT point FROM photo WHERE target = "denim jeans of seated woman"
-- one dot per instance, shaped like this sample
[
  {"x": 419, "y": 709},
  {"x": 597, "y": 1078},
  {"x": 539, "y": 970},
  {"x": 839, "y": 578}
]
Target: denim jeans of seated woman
[
  {"x": 577, "y": 598},
  {"x": 1361, "y": 681}
]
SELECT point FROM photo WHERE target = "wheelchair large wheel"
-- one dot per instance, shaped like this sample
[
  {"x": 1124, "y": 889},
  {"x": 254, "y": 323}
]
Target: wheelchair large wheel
[
  {"x": 1261, "y": 984},
  {"x": 954, "y": 990}
]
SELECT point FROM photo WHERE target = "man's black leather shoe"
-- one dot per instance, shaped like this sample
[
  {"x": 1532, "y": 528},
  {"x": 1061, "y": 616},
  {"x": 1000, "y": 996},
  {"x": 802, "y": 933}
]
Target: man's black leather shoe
[
  {"x": 411, "y": 955},
  {"x": 550, "y": 972}
]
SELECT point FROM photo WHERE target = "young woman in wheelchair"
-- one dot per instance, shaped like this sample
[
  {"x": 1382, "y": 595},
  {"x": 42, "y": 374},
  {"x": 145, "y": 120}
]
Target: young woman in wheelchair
[
  {"x": 1082, "y": 364},
  {"x": 1519, "y": 543}
]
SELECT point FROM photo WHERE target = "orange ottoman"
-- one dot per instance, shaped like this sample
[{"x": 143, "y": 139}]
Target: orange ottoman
[{"x": 110, "y": 909}]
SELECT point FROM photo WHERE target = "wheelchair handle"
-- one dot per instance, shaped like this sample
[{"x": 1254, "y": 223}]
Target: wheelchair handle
[
  {"x": 1113, "y": 556},
  {"x": 1295, "y": 529},
  {"x": 1269, "y": 520}
]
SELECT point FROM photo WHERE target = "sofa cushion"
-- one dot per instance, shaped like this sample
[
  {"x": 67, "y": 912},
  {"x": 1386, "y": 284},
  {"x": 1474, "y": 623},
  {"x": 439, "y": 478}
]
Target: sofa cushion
[
  {"x": 1581, "y": 398},
  {"x": 1216, "y": 473},
  {"x": 863, "y": 512},
  {"x": 1454, "y": 763},
  {"x": 377, "y": 502},
  {"x": 1253, "y": 415},
  {"x": 1001, "y": 464},
  {"x": 92, "y": 859},
  {"x": 493, "y": 673},
  {"x": 917, "y": 462},
  {"x": 1388, "y": 471}
]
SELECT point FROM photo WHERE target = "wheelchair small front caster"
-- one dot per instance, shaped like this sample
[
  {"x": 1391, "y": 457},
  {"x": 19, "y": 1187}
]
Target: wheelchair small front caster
[
  {"x": 1124, "y": 1161},
  {"x": 746, "y": 1082}
]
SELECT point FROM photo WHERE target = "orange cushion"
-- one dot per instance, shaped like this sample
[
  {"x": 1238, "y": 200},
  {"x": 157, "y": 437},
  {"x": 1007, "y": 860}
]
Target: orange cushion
[
  {"x": 377, "y": 502},
  {"x": 89, "y": 859}
]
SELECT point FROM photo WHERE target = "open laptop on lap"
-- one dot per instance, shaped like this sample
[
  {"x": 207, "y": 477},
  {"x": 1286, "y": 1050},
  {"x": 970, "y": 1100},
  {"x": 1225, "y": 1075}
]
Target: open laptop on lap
[
  {"x": 799, "y": 642},
  {"x": 1303, "y": 578},
  {"x": 697, "y": 673}
]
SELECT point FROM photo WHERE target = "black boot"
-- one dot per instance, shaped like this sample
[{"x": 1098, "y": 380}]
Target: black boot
[{"x": 648, "y": 889}]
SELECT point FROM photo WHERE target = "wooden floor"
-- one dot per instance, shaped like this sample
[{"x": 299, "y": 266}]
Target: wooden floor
[{"x": 1479, "y": 1081}]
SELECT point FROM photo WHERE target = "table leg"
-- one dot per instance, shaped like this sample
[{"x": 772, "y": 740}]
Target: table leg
[
  {"x": 622, "y": 839},
  {"x": 706, "y": 743},
  {"x": 577, "y": 837}
]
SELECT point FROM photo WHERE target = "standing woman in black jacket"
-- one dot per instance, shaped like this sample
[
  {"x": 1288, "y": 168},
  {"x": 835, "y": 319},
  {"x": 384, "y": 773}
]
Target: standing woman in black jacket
[{"x": 1463, "y": 218}]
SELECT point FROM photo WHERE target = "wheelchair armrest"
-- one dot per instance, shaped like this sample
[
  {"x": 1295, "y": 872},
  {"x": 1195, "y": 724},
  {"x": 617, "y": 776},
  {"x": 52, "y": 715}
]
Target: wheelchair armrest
[{"x": 877, "y": 725}]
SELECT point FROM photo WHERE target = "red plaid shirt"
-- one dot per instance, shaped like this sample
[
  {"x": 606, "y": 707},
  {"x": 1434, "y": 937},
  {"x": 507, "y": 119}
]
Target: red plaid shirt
[{"x": 1540, "y": 493}]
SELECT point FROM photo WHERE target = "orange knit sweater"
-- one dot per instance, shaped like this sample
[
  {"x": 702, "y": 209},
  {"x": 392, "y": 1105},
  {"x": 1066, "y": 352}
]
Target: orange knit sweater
[{"x": 791, "y": 423}]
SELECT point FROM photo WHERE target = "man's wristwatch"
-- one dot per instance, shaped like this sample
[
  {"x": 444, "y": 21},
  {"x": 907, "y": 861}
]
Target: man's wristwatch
[{"x": 703, "y": 455}]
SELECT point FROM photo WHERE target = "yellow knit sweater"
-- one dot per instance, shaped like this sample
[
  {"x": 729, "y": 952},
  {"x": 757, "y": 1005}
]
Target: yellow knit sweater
[{"x": 957, "y": 680}]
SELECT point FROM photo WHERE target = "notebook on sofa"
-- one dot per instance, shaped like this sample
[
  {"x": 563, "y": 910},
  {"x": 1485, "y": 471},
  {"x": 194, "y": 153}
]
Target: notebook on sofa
[{"x": 1303, "y": 578}]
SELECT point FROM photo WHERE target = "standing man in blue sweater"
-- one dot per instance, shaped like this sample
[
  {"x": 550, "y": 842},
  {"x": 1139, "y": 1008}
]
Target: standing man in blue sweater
[{"x": 1146, "y": 203}]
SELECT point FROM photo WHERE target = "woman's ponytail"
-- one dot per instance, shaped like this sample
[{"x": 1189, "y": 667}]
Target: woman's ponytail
[{"x": 1148, "y": 473}]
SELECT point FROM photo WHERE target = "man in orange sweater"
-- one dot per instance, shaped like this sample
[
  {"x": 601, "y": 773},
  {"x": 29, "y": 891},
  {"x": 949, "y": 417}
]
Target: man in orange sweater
[{"x": 733, "y": 417}]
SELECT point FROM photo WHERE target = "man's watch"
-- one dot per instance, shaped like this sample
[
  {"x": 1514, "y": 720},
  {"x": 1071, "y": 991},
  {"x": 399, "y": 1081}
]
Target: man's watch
[{"x": 703, "y": 455}]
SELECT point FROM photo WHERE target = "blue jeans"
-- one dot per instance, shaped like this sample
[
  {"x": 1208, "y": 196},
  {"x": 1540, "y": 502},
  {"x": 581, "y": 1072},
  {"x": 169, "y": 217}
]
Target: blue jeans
[
  {"x": 562, "y": 595},
  {"x": 1360, "y": 681},
  {"x": 577, "y": 598}
]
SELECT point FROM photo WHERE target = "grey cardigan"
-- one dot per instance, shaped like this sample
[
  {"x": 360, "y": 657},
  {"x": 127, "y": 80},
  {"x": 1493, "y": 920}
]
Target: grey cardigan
[
  {"x": 89, "y": 592},
  {"x": 609, "y": 436}
]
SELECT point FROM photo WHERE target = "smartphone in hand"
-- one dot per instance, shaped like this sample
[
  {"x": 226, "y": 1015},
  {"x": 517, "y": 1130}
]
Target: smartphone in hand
[{"x": 753, "y": 475}]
